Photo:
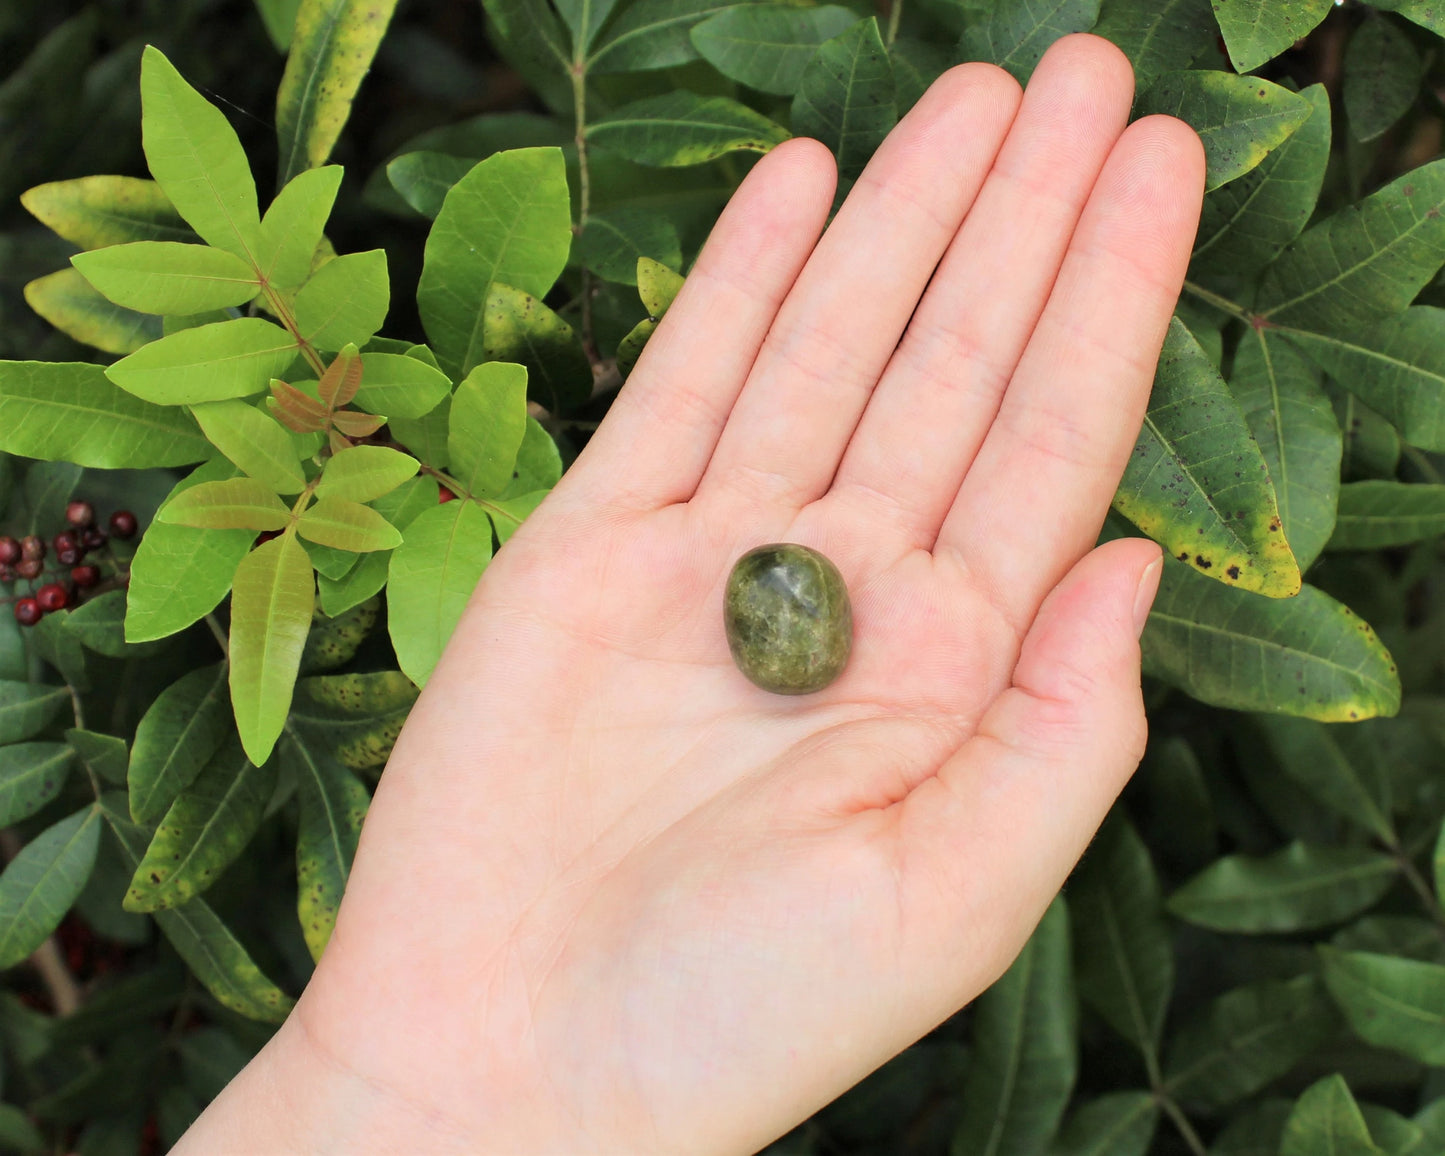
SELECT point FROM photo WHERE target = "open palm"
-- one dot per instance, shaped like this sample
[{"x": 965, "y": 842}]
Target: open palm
[{"x": 613, "y": 898}]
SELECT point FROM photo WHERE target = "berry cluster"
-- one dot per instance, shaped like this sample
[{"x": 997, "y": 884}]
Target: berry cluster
[{"x": 24, "y": 559}]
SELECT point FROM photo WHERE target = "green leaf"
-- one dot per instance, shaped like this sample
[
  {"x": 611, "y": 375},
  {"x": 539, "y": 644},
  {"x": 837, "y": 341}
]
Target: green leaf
[
  {"x": 1014, "y": 36},
  {"x": 652, "y": 34},
  {"x": 400, "y": 387},
  {"x": 768, "y": 46},
  {"x": 26, "y": 709},
  {"x": 1159, "y": 37},
  {"x": 1119, "y": 1124},
  {"x": 17, "y": 1132},
  {"x": 254, "y": 441},
  {"x": 61, "y": 649},
  {"x": 1247, "y": 223},
  {"x": 432, "y": 575},
  {"x": 92, "y": 212},
  {"x": 1196, "y": 481},
  {"x": 213, "y": 362},
  {"x": 70, "y": 303},
  {"x": 177, "y": 736},
  {"x": 1382, "y": 78},
  {"x": 1439, "y": 864},
  {"x": 334, "y": 641},
  {"x": 488, "y": 421},
  {"x": 1390, "y": 1002},
  {"x": 1308, "y": 655},
  {"x": 206, "y": 827},
  {"x": 1025, "y": 1049},
  {"x": 1327, "y": 1119},
  {"x": 1377, "y": 514},
  {"x": 1299, "y": 888},
  {"x": 71, "y": 412},
  {"x": 611, "y": 243},
  {"x": 292, "y": 228},
  {"x": 1371, "y": 444},
  {"x": 179, "y": 573},
  {"x": 271, "y": 603},
  {"x": 279, "y": 16},
  {"x": 345, "y": 301},
  {"x": 201, "y": 939},
  {"x": 846, "y": 96},
  {"x": 1259, "y": 30},
  {"x": 98, "y": 624},
  {"x": 346, "y": 525},
  {"x": 1396, "y": 366},
  {"x": 1365, "y": 262},
  {"x": 583, "y": 19},
  {"x": 531, "y": 36},
  {"x": 657, "y": 285},
  {"x": 167, "y": 277},
  {"x": 354, "y": 717},
  {"x": 1310, "y": 755},
  {"x": 400, "y": 507},
  {"x": 538, "y": 465},
  {"x": 916, "y": 65},
  {"x": 1426, "y": 13},
  {"x": 364, "y": 473},
  {"x": 197, "y": 159},
  {"x": 1291, "y": 419},
  {"x": 1239, "y": 119},
  {"x": 41, "y": 883},
  {"x": 683, "y": 128},
  {"x": 1247, "y": 1038},
  {"x": 520, "y": 329},
  {"x": 423, "y": 178},
  {"x": 507, "y": 220},
  {"x": 332, "y": 46},
  {"x": 31, "y": 774},
  {"x": 1124, "y": 958},
  {"x": 236, "y": 504},
  {"x": 508, "y": 514},
  {"x": 333, "y": 805}
]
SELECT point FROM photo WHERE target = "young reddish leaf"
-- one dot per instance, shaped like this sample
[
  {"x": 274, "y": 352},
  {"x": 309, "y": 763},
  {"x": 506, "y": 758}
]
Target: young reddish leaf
[
  {"x": 271, "y": 603},
  {"x": 237, "y": 504},
  {"x": 357, "y": 425},
  {"x": 338, "y": 385},
  {"x": 296, "y": 410},
  {"x": 346, "y": 525}
]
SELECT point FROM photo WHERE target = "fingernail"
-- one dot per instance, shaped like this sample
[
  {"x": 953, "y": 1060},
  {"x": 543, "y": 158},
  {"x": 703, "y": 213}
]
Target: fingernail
[{"x": 1144, "y": 594}]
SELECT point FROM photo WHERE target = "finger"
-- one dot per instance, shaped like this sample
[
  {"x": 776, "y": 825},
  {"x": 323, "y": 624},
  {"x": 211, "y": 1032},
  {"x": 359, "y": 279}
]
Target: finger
[
  {"x": 843, "y": 319},
  {"x": 1039, "y": 489},
  {"x": 942, "y": 387},
  {"x": 998, "y": 829},
  {"x": 662, "y": 428}
]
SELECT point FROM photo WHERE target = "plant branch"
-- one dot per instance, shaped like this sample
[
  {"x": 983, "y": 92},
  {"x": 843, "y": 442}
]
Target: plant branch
[
  {"x": 79, "y": 713},
  {"x": 281, "y": 310},
  {"x": 1427, "y": 897},
  {"x": 1181, "y": 1122},
  {"x": 219, "y": 635},
  {"x": 578, "y": 73},
  {"x": 1224, "y": 304},
  {"x": 895, "y": 14}
]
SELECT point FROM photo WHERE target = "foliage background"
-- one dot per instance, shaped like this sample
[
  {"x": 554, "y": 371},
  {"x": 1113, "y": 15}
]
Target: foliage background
[{"x": 1250, "y": 959}]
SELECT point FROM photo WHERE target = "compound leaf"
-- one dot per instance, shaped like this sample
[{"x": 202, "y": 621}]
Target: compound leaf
[{"x": 176, "y": 737}]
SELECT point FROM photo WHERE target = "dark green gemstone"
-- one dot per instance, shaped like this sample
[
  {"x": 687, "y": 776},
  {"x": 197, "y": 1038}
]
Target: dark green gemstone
[{"x": 788, "y": 619}]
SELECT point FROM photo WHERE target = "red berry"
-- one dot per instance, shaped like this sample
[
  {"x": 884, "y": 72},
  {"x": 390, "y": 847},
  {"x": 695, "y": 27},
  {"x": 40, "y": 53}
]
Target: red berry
[
  {"x": 80, "y": 513},
  {"x": 92, "y": 539},
  {"x": 85, "y": 576},
  {"x": 65, "y": 540},
  {"x": 32, "y": 549},
  {"x": 30, "y": 568},
  {"x": 9, "y": 551},
  {"x": 52, "y": 596},
  {"x": 123, "y": 524},
  {"x": 67, "y": 557},
  {"x": 7, "y": 572},
  {"x": 444, "y": 495},
  {"x": 27, "y": 612}
]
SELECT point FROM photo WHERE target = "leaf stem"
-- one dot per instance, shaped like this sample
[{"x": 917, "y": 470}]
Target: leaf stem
[
  {"x": 578, "y": 72},
  {"x": 1427, "y": 897},
  {"x": 281, "y": 310},
  {"x": 1181, "y": 1121},
  {"x": 895, "y": 14},
  {"x": 79, "y": 713},
  {"x": 219, "y": 635},
  {"x": 1224, "y": 304}
]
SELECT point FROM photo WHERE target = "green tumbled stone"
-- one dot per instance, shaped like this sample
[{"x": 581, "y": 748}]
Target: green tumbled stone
[{"x": 788, "y": 619}]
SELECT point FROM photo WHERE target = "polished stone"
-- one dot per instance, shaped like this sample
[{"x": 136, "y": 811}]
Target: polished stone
[{"x": 788, "y": 619}]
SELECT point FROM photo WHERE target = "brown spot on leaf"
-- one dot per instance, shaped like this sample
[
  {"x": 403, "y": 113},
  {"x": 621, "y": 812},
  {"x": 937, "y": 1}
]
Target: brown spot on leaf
[{"x": 1233, "y": 572}]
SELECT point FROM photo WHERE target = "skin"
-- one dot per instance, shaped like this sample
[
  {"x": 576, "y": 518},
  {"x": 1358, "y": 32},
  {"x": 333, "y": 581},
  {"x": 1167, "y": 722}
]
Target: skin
[{"x": 612, "y": 898}]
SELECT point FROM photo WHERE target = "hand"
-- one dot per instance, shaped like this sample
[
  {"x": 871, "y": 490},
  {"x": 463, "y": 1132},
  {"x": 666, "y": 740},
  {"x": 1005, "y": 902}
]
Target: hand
[{"x": 611, "y": 897}]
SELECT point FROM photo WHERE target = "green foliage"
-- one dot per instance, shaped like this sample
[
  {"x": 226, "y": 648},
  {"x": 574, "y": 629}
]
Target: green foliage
[{"x": 1252, "y": 951}]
